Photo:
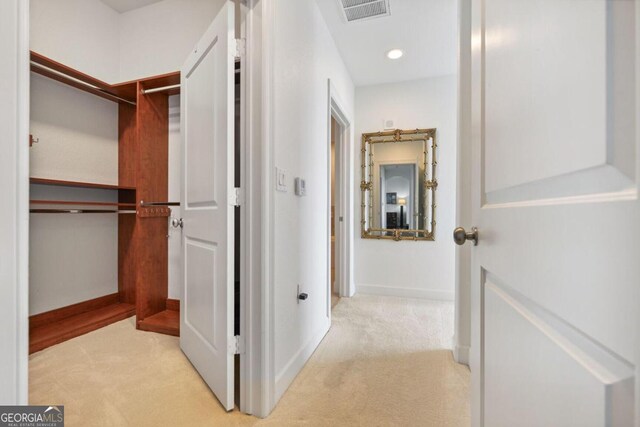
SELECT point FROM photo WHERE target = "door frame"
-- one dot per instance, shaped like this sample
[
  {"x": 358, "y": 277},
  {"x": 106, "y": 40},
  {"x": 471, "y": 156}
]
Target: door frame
[
  {"x": 256, "y": 313},
  {"x": 344, "y": 199},
  {"x": 14, "y": 241},
  {"x": 462, "y": 329}
]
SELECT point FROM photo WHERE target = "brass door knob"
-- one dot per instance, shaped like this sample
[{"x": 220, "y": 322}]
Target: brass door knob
[{"x": 460, "y": 236}]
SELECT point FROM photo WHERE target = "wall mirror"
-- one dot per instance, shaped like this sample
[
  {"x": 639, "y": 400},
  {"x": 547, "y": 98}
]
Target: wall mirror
[{"x": 398, "y": 184}]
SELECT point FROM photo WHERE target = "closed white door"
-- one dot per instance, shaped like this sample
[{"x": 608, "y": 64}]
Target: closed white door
[
  {"x": 207, "y": 123},
  {"x": 556, "y": 272}
]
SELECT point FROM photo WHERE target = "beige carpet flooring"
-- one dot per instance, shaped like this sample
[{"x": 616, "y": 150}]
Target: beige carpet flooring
[{"x": 383, "y": 363}]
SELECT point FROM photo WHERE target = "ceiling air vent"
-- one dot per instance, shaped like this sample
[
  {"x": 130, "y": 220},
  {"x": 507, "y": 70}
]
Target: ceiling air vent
[{"x": 357, "y": 10}]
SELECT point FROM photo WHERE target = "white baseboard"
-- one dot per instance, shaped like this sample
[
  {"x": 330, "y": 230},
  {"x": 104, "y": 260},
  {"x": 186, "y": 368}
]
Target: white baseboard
[
  {"x": 286, "y": 376},
  {"x": 461, "y": 354},
  {"x": 405, "y": 292}
]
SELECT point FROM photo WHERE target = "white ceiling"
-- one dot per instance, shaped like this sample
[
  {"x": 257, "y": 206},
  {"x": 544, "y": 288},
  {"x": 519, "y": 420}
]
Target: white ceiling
[
  {"x": 424, "y": 29},
  {"x": 122, "y": 6}
]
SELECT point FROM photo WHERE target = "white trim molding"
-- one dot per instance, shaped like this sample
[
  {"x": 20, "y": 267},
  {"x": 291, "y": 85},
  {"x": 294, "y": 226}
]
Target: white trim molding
[
  {"x": 253, "y": 376},
  {"x": 267, "y": 108},
  {"x": 461, "y": 353},
  {"x": 337, "y": 110},
  {"x": 296, "y": 363},
  {"x": 14, "y": 181},
  {"x": 463, "y": 186},
  {"x": 392, "y": 291}
]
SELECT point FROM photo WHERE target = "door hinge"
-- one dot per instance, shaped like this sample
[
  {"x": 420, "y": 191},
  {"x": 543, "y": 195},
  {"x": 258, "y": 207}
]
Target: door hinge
[
  {"x": 237, "y": 345},
  {"x": 235, "y": 198},
  {"x": 239, "y": 48}
]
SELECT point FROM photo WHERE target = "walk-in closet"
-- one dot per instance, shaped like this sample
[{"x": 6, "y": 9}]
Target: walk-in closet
[
  {"x": 135, "y": 192},
  {"x": 100, "y": 207}
]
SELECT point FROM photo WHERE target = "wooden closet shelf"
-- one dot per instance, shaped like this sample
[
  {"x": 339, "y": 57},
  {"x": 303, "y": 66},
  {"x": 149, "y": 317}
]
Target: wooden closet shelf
[
  {"x": 128, "y": 89},
  {"x": 63, "y": 329},
  {"x": 126, "y": 92},
  {"x": 64, "y": 74},
  {"x": 60, "y": 183},
  {"x": 82, "y": 203}
]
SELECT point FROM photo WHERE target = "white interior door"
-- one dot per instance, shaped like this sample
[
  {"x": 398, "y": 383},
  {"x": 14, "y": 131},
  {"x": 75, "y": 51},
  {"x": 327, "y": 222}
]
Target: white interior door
[
  {"x": 207, "y": 123},
  {"x": 556, "y": 273}
]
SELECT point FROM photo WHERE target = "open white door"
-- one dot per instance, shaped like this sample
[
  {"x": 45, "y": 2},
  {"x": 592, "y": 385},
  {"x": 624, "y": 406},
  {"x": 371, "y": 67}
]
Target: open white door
[
  {"x": 207, "y": 123},
  {"x": 556, "y": 272}
]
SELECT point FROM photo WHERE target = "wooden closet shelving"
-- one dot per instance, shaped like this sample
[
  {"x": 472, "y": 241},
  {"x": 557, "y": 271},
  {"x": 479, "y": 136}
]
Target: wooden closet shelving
[
  {"x": 143, "y": 132},
  {"x": 126, "y": 196},
  {"x": 54, "y": 327},
  {"x": 60, "y": 183},
  {"x": 83, "y": 203}
]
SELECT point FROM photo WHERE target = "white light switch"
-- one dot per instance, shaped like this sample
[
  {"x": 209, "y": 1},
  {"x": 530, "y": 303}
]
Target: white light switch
[
  {"x": 300, "y": 187},
  {"x": 281, "y": 180}
]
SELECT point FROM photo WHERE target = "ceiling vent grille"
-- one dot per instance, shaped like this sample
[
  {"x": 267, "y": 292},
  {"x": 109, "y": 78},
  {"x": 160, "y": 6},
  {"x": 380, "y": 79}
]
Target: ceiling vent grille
[{"x": 358, "y": 10}]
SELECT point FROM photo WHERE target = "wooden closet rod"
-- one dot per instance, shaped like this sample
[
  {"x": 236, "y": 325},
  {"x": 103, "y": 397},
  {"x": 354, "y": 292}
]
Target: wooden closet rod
[
  {"x": 145, "y": 204},
  {"x": 78, "y": 81}
]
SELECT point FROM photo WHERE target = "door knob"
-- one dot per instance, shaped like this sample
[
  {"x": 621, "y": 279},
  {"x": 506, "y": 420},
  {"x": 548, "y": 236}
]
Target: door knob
[
  {"x": 460, "y": 236},
  {"x": 177, "y": 223}
]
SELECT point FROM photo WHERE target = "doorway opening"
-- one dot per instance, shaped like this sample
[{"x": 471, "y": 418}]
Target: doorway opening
[
  {"x": 339, "y": 202},
  {"x": 334, "y": 290},
  {"x": 110, "y": 272}
]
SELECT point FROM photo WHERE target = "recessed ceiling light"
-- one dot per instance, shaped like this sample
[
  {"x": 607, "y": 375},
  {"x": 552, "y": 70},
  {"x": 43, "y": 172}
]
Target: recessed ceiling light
[{"x": 395, "y": 54}]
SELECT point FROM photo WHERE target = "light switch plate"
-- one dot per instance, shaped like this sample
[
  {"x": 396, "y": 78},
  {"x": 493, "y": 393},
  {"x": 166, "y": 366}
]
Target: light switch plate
[
  {"x": 281, "y": 180},
  {"x": 300, "y": 187}
]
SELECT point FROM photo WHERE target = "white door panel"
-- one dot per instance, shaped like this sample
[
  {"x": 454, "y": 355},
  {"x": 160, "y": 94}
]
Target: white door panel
[
  {"x": 535, "y": 360},
  {"x": 207, "y": 102},
  {"x": 549, "y": 86},
  {"x": 556, "y": 273}
]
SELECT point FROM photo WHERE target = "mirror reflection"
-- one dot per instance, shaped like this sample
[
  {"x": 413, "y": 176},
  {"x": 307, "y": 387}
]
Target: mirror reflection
[{"x": 398, "y": 184}]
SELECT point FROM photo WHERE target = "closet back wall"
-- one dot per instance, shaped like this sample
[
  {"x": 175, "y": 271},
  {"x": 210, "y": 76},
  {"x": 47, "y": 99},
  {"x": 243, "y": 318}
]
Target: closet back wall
[
  {"x": 157, "y": 39},
  {"x": 72, "y": 258},
  {"x": 79, "y": 33}
]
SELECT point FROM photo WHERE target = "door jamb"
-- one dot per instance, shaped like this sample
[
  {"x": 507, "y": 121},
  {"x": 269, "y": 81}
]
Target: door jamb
[
  {"x": 256, "y": 385},
  {"x": 344, "y": 253},
  {"x": 15, "y": 307}
]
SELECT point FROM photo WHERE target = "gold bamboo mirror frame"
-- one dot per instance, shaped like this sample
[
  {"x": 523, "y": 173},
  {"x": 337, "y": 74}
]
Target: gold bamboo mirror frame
[{"x": 398, "y": 185}]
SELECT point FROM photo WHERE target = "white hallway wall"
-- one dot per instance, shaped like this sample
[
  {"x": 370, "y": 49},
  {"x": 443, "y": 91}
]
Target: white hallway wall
[
  {"x": 407, "y": 268},
  {"x": 305, "y": 58}
]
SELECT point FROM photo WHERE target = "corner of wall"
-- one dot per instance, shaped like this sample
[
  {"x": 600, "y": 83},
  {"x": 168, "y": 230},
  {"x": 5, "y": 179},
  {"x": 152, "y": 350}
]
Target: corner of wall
[
  {"x": 460, "y": 352},
  {"x": 285, "y": 377}
]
